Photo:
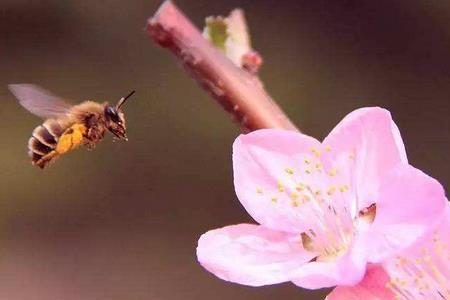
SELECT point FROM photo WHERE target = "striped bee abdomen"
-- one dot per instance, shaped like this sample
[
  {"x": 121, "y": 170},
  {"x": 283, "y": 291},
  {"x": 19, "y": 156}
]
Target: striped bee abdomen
[{"x": 44, "y": 140}]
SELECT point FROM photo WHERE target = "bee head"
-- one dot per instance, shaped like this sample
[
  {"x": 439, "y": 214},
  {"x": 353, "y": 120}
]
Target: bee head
[{"x": 115, "y": 119}]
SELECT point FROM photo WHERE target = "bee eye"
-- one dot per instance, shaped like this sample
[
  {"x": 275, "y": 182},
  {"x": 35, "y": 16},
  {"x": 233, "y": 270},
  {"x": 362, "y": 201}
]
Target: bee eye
[{"x": 112, "y": 113}]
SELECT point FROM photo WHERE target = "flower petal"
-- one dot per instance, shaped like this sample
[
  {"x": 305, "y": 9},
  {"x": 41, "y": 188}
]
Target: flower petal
[
  {"x": 264, "y": 163},
  {"x": 372, "y": 287},
  {"x": 347, "y": 269},
  {"x": 370, "y": 138},
  {"x": 251, "y": 254},
  {"x": 410, "y": 204}
]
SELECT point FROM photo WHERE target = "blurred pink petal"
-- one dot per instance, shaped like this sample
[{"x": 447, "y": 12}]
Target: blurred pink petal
[
  {"x": 421, "y": 271},
  {"x": 372, "y": 287},
  {"x": 327, "y": 194},
  {"x": 251, "y": 254},
  {"x": 410, "y": 203}
]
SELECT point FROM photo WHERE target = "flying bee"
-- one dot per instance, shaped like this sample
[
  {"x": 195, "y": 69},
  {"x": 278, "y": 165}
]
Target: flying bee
[{"x": 67, "y": 126}]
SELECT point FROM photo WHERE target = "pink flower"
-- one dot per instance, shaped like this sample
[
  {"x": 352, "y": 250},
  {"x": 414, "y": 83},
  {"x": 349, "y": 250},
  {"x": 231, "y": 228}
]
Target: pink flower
[
  {"x": 372, "y": 287},
  {"x": 420, "y": 272},
  {"x": 325, "y": 209}
]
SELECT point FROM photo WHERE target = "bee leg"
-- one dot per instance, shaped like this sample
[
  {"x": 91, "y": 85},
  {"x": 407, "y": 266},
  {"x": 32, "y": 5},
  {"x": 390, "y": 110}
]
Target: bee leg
[
  {"x": 90, "y": 142},
  {"x": 90, "y": 145},
  {"x": 71, "y": 138},
  {"x": 46, "y": 159},
  {"x": 93, "y": 136}
]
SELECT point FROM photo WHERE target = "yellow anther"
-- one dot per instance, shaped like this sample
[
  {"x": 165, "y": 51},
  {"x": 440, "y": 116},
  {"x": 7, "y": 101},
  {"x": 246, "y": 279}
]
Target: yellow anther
[
  {"x": 318, "y": 165},
  {"x": 327, "y": 148},
  {"x": 294, "y": 203},
  {"x": 331, "y": 190},
  {"x": 316, "y": 152},
  {"x": 332, "y": 172},
  {"x": 280, "y": 187},
  {"x": 300, "y": 187},
  {"x": 259, "y": 191},
  {"x": 343, "y": 188},
  {"x": 294, "y": 195},
  {"x": 290, "y": 171},
  {"x": 318, "y": 192},
  {"x": 307, "y": 161},
  {"x": 308, "y": 171},
  {"x": 274, "y": 199}
]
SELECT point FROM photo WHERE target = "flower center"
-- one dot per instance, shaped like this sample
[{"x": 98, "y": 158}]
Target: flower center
[
  {"x": 422, "y": 275},
  {"x": 331, "y": 228},
  {"x": 319, "y": 190}
]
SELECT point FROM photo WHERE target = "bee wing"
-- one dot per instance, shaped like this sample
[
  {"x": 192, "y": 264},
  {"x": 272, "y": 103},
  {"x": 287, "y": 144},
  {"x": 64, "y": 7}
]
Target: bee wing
[{"x": 39, "y": 101}]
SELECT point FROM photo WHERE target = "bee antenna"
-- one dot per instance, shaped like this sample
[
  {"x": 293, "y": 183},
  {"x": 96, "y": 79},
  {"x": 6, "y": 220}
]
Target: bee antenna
[{"x": 123, "y": 99}]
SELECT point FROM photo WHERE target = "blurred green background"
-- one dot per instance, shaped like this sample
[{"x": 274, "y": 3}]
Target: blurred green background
[{"x": 122, "y": 221}]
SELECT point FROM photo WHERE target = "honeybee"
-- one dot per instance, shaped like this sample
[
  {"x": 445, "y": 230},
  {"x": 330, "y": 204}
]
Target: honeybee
[{"x": 67, "y": 126}]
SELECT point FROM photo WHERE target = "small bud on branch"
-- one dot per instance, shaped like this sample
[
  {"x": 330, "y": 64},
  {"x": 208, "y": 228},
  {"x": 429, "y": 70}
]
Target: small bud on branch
[{"x": 238, "y": 91}]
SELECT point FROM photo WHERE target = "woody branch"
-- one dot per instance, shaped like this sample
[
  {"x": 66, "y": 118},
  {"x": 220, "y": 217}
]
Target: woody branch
[{"x": 239, "y": 92}]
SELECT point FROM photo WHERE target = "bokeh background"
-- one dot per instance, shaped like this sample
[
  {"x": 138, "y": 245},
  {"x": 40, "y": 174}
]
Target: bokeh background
[{"x": 122, "y": 221}]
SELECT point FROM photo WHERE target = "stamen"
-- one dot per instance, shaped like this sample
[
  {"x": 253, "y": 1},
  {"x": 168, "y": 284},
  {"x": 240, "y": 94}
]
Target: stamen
[
  {"x": 280, "y": 187},
  {"x": 316, "y": 152},
  {"x": 423, "y": 275},
  {"x": 319, "y": 202},
  {"x": 332, "y": 172},
  {"x": 290, "y": 171}
]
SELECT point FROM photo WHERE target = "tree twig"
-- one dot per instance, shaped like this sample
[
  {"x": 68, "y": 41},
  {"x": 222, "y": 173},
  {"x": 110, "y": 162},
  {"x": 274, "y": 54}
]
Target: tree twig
[{"x": 238, "y": 92}]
